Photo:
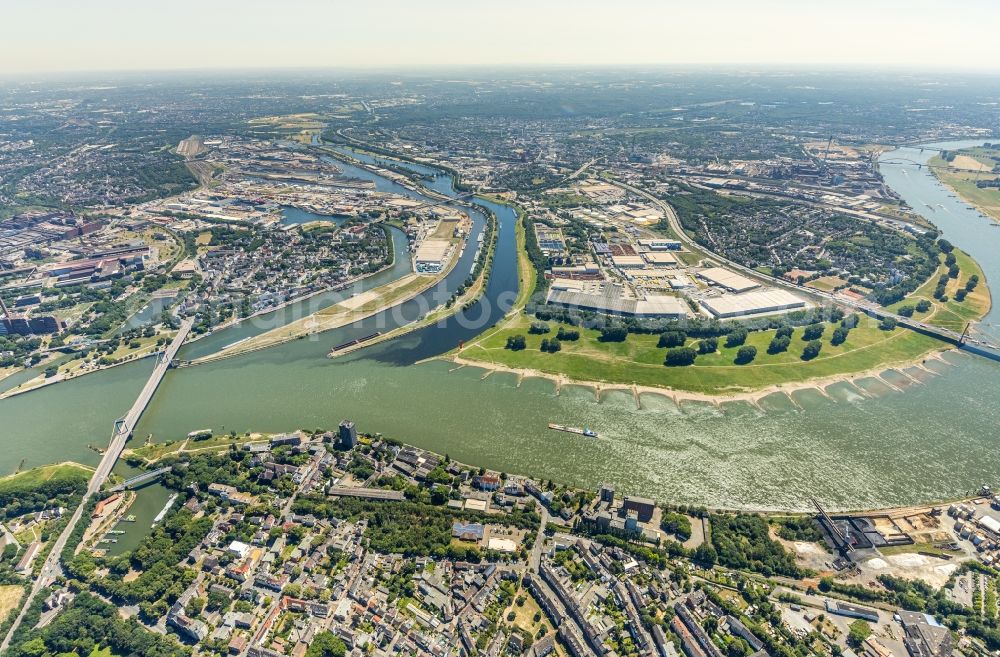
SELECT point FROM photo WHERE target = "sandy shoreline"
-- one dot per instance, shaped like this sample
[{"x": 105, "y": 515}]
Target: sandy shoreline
[
  {"x": 753, "y": 397},
  {"x": 979, "y": 208}
]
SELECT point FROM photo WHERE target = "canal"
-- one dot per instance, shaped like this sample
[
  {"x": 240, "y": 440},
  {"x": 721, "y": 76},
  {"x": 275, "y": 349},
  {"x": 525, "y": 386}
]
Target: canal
[{"x": 929, "y": 442}]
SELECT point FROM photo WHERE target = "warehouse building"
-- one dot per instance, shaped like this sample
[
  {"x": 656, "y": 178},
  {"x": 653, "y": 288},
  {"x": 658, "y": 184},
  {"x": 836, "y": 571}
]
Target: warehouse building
[
  {"x": 659, "y": 259},
  {"x": 991, "y": 524},
  {"x": 727, "y": 280},
  {"x": 661, "y": 245},
  {"x": 628, "y": 261},
  {"x": 752, "y": 303},
  {"x": 430, "y": 256},
  {"x": 851, "y": 611},
  {"x": 610, "y": 299}
]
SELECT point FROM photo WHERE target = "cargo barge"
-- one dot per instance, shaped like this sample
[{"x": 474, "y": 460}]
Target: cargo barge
[
  {"x": 351, "y": 343},
  {"x": 577, "y": 430}
]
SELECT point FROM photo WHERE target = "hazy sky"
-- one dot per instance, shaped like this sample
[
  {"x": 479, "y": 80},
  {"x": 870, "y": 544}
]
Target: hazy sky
[{"x": 83, "y": 35}]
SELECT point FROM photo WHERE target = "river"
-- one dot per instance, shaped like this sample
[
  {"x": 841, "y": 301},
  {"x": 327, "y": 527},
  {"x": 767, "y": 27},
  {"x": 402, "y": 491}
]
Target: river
[{"x": 930, "y": 442}]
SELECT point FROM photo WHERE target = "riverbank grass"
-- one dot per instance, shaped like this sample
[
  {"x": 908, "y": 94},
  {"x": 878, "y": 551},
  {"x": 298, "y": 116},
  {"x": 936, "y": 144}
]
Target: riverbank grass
[
  {"x": 30, "y": 480},
  {"x": 638, "y": 360},
  {"x": 952, "y": 314},
  {"x": 346, "y": 312},
  {"x": 959, "y": 175},
  {"x": 153, "y": 452}
]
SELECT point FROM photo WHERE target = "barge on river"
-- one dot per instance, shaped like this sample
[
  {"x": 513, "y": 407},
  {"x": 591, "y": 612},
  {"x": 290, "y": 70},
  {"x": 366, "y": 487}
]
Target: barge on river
[{"x": 577, "y": 430}]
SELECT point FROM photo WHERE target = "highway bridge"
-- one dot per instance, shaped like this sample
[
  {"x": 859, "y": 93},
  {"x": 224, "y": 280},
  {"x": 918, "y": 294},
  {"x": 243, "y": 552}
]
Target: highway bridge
[
  {"x": 971, "y": 338},
  {"x": 905, "y": 161},
  {"x": 445, "y": 201},
  {"x": 141, "y": 479},
  {"x": 122, "y": 432}
]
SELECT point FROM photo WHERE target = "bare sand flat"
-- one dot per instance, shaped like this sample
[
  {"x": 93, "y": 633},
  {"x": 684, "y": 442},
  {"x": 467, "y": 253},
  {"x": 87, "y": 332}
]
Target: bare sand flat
[
  {"x": 358, "y": 300},
  {"x": 9, "y": 597},
  {"x": 970, "y": 163}
]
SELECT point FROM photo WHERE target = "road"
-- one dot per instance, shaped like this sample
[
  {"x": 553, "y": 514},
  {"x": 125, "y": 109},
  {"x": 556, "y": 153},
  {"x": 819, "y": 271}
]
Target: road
[
  {"x": 122, "y": 431},
  {"x": 583, "y": 168},
  {"x": 535, "y": 558}
]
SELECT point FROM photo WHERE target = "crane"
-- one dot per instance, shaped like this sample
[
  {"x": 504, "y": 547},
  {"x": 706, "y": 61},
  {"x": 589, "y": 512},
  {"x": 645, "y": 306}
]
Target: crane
[{"x": 829, "y": 143}]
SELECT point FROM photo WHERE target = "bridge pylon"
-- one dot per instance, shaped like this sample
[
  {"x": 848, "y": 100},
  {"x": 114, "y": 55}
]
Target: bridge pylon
[{"x": 965, "y": 333}]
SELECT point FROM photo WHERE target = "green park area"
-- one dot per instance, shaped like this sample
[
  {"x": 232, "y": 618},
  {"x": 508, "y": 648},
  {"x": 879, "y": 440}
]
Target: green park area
[
  {"x": 950, "y": 311},
  {"x": 639, "y": 360},
  {"x": 46, "y": 483}
]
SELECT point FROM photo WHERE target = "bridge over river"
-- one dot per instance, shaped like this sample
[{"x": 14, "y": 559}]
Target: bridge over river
[
  {"x": 141, "y": 479},
  {"x": 973, "y": 338},
  {"x": 121, "y": 433}
]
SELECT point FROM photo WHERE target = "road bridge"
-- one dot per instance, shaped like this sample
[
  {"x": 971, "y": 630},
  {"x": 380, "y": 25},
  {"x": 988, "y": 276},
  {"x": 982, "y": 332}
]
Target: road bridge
[
  {"x": 970, "y": 339},
  {"x": 907, "y": 162},
  {"x": 138, "y": 480},
  {"x": 122, "y": 432},
  {"x": 446, "y": 201},
  {"x": 921, "y": 147}
]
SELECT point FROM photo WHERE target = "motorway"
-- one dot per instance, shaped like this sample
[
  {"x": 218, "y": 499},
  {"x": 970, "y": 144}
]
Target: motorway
[{"x": 122, "y": 432}]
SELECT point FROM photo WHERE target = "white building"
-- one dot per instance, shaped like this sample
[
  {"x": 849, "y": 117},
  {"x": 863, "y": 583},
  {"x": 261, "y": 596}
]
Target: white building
[
  {"x": 763, "y": 302},
  {"x": 727, "y": 280}
]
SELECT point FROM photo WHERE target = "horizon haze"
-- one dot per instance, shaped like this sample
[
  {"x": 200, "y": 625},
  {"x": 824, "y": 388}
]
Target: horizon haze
[{"x": 111, "y": 35}]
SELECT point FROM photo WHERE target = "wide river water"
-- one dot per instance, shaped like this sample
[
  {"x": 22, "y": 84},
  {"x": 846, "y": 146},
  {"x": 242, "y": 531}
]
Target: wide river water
[{"x": 931, "y": 441}]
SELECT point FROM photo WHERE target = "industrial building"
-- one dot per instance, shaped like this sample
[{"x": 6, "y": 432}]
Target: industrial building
[
  {"x": 588, "y": 271},
  {"x": 550, "y": 240},
  {"x": 610, "y": 299},
  {"x": 660, "y": 259},
  {"x": 924, "y": 635},
  {"x": 643, "y": 506},
  {"x": 431, "y": 255},
  {"x": 727, "y": 280},
  {"x": 851, "y": 611},
  {"x": 752, "y": 303},
  {"x": 17, "y": 324},
  {"x": 661, "y": 245},
  {"x": 99, "y": 266},
  {"x": 628, "y": 261}
]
